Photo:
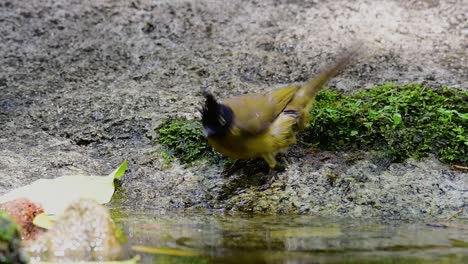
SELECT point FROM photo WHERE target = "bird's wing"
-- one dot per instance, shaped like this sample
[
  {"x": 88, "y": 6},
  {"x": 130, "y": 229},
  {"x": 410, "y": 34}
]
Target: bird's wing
[
  {"x": 283, "y": 97},
  {"x": 255, "y": 112}
]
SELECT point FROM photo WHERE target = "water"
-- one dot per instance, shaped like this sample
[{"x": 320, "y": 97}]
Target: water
[{"x": 217, "y": 238}]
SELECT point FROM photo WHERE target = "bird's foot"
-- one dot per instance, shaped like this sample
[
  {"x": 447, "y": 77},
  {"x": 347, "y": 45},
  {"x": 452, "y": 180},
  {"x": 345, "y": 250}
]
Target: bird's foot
[
  {"x": 228, "y": 171},
  {"x": 271, "y": 177},
  {"x": 280, "y": 167}
]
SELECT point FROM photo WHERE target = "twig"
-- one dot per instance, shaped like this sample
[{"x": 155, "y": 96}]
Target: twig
[
  {"x": 459, "y": 167},
  {"x": 454, "y": 214}
]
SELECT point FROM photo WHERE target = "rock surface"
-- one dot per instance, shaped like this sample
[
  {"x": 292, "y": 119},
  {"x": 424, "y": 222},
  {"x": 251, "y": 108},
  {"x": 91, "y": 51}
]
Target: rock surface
[{"x": 83, "y": 84}]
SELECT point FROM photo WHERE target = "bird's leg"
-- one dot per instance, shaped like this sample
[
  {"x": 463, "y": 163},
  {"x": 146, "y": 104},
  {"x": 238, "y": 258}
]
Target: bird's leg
[
  {"x": 281, "y": 166},
  {"x": 232, "y": 169},
  {"x": 272, "y": 175}
]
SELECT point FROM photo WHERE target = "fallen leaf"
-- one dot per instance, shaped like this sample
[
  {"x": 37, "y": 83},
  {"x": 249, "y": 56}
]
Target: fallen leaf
[
  {"x": 56, "y": 194},
  {"x": 44, "y": 221}
]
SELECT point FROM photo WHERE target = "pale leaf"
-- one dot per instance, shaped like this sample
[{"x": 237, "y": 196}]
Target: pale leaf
[
  {"x": 56, "y": 194},
  {"x": 44, "y": 221}
]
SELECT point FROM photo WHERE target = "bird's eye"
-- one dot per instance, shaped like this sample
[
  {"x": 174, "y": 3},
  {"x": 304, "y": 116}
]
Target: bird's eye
[{"x": 221, "y": 120}]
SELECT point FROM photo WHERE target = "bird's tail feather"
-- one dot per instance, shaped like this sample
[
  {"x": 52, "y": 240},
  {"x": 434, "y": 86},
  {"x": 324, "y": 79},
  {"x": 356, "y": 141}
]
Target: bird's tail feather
[
  {"x": 313, "y": 86},
  {"x": 304, "y": 97}
]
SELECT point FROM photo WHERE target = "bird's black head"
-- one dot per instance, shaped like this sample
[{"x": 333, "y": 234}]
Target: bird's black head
[{"x": 216, "y": 118}]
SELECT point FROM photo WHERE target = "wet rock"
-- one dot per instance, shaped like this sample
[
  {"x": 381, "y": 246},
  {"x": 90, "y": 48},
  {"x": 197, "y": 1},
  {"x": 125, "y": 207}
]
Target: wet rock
[
  {"x": 85, "y": 232},
  {"x": 84, "y": 94},
  {"x": 10, "y": 241}
]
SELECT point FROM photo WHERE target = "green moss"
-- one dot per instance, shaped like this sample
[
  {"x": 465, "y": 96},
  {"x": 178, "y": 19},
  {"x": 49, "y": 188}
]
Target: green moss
[
  {"x": 8, "y": 228},
  {"x": 402, "y": 120},
  {"x": 183, "y": 139},
  {"x": 407, "y": 121},
  {"x": 10, "y": 241}
]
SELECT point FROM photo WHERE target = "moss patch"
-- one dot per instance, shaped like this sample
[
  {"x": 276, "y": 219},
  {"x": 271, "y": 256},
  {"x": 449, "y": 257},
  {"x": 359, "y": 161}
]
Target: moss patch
[
  {"x": 9, "y": 230},
  {"x": 407, "y": 121},
  {"x": 403, "y": 120},
  {"x": 183, "y": 139},
  {"x": 10, "y": 241}
]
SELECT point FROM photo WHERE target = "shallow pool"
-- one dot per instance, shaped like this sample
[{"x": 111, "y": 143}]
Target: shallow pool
[{"x": 219, "y": 238}]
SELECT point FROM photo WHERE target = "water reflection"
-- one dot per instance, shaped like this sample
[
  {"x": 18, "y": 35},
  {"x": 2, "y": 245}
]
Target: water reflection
[{"x": 291, "y": 239}]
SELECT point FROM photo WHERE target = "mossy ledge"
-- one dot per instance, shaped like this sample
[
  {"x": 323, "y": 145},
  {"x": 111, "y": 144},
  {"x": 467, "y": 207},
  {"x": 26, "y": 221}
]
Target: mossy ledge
[
  {"x": 404, "y": 120},
  {"x": 183, "y": 139}
]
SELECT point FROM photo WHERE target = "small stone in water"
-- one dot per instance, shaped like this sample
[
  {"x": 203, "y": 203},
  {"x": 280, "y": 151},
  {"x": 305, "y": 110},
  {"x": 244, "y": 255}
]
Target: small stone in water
[
  {"x": 85, "y": 232},
  {"x": 23, "y": 212}
]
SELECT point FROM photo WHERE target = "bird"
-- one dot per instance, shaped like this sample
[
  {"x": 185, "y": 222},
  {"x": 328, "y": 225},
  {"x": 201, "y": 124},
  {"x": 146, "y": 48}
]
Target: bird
[{"x": 261, "y": 125}]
